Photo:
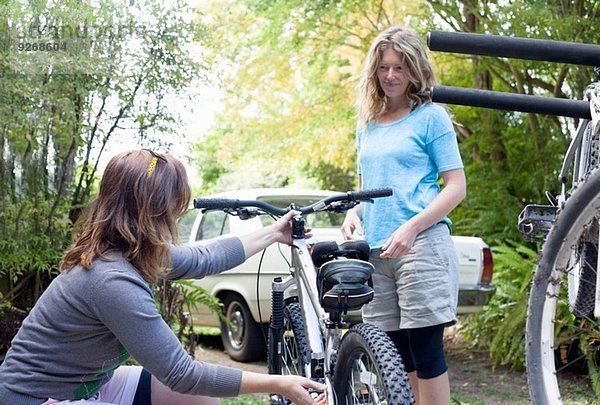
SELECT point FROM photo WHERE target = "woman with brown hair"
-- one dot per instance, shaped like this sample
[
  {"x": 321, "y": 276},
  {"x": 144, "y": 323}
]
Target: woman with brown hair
[{"x": 100, "y": 310}]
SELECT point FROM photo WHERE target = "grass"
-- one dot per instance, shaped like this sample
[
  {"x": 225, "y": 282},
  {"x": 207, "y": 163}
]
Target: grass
[
  {"x": 465, "y": 400},
  {"x": 244, "y": 400}
]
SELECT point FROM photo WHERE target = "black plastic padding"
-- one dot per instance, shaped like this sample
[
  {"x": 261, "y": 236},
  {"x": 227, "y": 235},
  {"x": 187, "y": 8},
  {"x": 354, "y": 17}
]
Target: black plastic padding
[
  {"x": 216, "y": 203},
  {"x": 322, "y": 252},
  {"x": 511, "y": 47},
  {"x": 356, "y": 249},
  {"x": 499, "y": 100},
  {"x": 373, "y": 193}
]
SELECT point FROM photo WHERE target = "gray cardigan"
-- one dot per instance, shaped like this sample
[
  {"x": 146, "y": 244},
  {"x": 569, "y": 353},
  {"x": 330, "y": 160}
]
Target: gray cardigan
[{"x": 89, "y": 321}]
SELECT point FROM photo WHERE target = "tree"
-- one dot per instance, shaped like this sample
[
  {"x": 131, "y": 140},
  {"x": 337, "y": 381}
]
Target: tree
[
  {"x": 289, "y": 70},
  {"x": 73, "y": 76},
  {"x": 512, "y": 158}
]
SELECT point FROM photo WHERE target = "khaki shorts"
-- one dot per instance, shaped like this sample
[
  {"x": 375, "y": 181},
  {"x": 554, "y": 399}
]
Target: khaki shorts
[
  {"x": 420, "y": 288},
  {"x": 120, "y": 389}
]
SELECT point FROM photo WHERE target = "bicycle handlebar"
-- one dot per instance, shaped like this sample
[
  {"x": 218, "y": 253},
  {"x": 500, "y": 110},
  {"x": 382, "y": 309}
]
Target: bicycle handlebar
[
  {"x": 511, "y": 101},
  {"x": 520, "y": 48},
  {"x": 349, "y": 197}
]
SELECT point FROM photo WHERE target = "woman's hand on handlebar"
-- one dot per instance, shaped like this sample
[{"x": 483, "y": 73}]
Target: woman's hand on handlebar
[
  {"x": 352, "y": 228},
  {"x": 282, "y": 228},
  {"x": 280, "y": 231}
]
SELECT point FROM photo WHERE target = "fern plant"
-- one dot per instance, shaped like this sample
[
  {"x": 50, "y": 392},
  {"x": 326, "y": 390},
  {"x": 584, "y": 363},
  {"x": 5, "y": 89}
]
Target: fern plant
[
  {"x": 500, "y": 327},
  {"x": 176, "y": 299}
]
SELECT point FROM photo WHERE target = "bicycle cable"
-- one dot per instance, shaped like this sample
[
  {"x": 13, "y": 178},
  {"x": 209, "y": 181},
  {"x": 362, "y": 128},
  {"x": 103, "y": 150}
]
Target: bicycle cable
[{"x": 262, "y": 256}]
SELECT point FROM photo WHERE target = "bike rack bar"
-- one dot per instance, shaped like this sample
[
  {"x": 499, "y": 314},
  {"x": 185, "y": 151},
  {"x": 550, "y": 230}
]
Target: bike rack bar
[
  {"x": 499, "y": 100},
  {"x": 510, "y": 47}
]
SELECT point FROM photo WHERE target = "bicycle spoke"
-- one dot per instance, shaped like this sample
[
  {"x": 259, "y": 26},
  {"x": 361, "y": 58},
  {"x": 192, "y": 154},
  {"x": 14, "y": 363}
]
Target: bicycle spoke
[
  {"x": 364, "y": 383},
  {"x": 369, "y": 379}
]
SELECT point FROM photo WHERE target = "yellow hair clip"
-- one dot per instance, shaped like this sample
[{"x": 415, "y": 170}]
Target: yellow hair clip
[
  {"x": 152, "y": 165},
  {"x": 155, "y": 157}
]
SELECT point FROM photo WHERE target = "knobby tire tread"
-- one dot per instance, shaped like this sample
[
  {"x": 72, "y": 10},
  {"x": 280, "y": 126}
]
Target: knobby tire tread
[
  {"x": 375, "y": 343},
  {"x": 293, "y": 319}
]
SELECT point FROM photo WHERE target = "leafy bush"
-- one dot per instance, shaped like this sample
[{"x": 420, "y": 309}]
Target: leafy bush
[{"x": 500, "y": 327}]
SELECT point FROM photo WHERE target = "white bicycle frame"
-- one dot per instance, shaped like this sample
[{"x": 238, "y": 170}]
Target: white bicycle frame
[{"x": 322, "y": 340}]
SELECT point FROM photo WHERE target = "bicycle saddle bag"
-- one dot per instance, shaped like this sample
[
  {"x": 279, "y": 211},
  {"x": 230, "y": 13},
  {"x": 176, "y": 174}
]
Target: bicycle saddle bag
[
  {"x": 322, "y": 252},
  {"x": 345, "y": 285}
]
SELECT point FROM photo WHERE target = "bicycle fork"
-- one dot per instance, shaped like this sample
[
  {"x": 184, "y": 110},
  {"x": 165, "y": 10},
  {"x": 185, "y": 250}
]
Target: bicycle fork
[{"x": 318, "y": 368}]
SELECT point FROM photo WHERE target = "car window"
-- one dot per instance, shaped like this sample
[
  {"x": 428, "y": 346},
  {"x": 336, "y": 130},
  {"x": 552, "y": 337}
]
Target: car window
[
  {"x": 213, "y": 224},
  {"x": 317, "y": 220}
]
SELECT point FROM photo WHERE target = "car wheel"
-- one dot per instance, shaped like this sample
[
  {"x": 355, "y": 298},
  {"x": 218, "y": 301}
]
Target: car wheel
[{"x": 243, "y": 339}]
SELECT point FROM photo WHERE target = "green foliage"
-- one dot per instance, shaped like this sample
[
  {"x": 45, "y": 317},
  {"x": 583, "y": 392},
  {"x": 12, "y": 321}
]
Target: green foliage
[
  {"x": 289, "y": 71},
  {"x": 500, "y": 328},
  {"x": 175, "y": 300},
  {"x": 511, "y": 159},
  {"x": 60, "y": 106}
]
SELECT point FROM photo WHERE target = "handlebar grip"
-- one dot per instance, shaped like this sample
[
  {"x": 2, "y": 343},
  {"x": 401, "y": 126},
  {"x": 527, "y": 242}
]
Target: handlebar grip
[
  {"x": 373, "y": 193},
  {"x": 510, "y": 47},
  {"x": 216, "y": 203},
  {"x": 499, "y": 100}
]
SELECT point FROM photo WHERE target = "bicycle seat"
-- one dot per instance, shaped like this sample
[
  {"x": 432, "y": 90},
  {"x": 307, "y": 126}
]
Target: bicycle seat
[{"x": 322, "y": 252}]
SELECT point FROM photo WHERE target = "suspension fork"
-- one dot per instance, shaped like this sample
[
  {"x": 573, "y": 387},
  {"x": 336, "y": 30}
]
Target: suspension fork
[{"x": 278, "y": 287}]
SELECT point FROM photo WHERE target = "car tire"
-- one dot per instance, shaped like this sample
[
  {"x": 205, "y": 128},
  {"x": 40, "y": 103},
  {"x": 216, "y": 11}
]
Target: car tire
[{"x": 243, "y": 340}]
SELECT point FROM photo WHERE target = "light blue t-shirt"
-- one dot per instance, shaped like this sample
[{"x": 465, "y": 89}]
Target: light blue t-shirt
[{"x": 407, "y": 156}]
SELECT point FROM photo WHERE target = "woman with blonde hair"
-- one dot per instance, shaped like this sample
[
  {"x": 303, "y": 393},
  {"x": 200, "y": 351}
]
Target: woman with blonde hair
[
  {"x": 405, "y": 142},
  {"x": 100, "y": 310}
]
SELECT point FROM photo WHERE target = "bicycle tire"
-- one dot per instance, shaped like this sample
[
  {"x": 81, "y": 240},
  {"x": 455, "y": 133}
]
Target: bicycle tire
[
  {"x": 369, "y": 346},
  {"x": 294, "y": 353},
  {"x": 577, "y": 344}
]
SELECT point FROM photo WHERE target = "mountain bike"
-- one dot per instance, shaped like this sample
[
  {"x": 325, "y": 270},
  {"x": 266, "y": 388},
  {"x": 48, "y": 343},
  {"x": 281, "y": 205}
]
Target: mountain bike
[
  {"x": 307, "y": 333},
  {"x": 562, "y": 328}
]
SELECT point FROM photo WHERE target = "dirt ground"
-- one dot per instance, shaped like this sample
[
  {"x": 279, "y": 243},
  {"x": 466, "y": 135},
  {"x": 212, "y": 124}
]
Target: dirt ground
[{"x": 473, "y": 379}]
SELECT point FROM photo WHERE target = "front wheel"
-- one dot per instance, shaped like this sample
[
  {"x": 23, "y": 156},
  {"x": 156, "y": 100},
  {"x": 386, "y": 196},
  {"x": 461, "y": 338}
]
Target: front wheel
[
  {"x": 563, "y": 339},
  {"x": 369, "y": 369},
  {"x": 291, "y": 354}
]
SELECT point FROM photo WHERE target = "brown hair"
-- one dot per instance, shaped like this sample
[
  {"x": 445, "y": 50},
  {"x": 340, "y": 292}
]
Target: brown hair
[
  {"x": 142, "y": 194},
  {"x": 372, "y": 99}
]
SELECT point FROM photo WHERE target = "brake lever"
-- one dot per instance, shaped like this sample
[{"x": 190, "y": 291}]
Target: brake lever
[
  {"x": 245, "y": 213},
  {"x": 341, "y": 206}
]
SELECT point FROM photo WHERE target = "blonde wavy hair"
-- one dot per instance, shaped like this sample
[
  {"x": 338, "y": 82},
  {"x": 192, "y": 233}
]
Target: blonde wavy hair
[
  {"x": 372, "y": 100},
  {"x": 142, "y": 194}
]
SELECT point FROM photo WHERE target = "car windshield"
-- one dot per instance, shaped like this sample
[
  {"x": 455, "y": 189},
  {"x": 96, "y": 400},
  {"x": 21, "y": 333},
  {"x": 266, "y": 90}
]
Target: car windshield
[{"x": 316, "y": 220}]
